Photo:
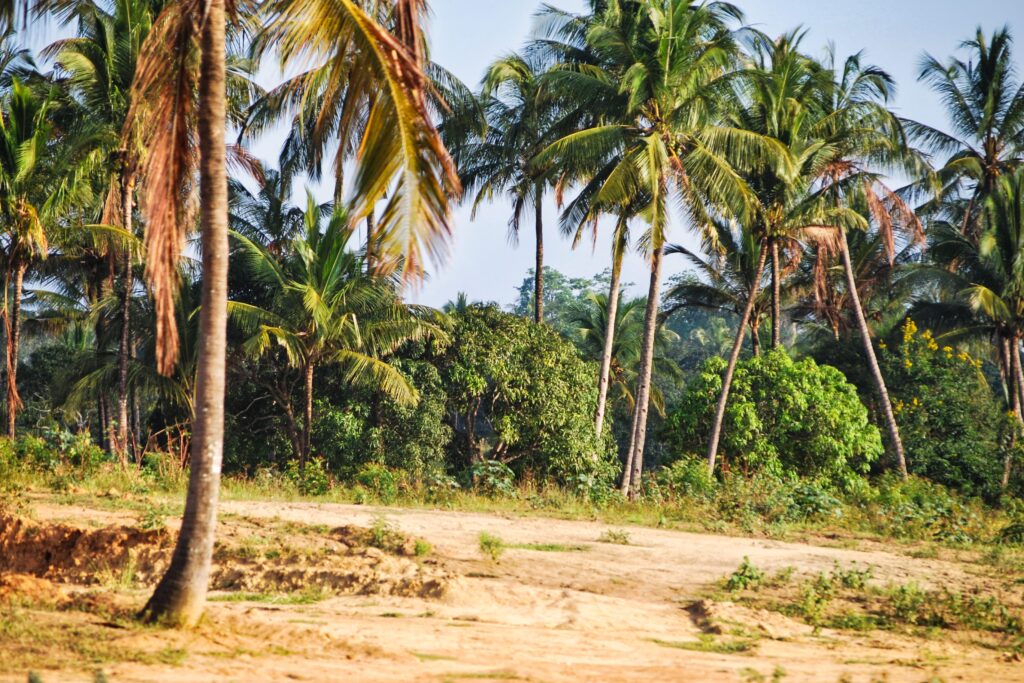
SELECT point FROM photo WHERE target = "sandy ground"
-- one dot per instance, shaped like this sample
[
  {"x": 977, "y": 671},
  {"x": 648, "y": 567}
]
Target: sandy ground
[{"x": 609, "y": 613}]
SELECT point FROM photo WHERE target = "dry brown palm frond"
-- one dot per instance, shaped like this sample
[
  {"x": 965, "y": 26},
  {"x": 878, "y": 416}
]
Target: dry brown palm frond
[{"x": 164, "y": 96}]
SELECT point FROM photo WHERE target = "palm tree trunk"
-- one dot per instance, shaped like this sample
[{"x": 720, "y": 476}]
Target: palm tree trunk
[
  {"x": 181, "y": 594},
  {"x": 755, "y": 337},
  {"x": 124, "y": 347},
  {"x": 1012, "y": 361},
  {"x": 307, "y": 417},
  {"x": 609, "y": 340},
  {"x": 13, "y": 343},
  {"x": 869, "y": 351},
  {"x": 371, "y": 241},
  {"x": 643, "y": 394},
  {"x": 627, "y": 473},
  {"x": 730, "y": 369},
  {"x": 538, "y": 277},
  {"x": 776, "y": 295}
]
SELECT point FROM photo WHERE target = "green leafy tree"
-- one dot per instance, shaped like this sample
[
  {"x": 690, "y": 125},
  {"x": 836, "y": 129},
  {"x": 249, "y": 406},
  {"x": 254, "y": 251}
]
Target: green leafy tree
[
  {"x": 521, "y": 395},
  {"x": 786, "y": 417}
]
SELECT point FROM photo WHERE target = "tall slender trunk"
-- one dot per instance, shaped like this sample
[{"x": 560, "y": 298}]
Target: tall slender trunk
[
  {"x": 776, "y": 295},
  {"x": 307, "y": 417},
  {"x": 755, "y": 336},
  {"x": 538, "y": 277},
  {"x": 1011, "y": 348},
  {"x": 609, "y": 340},
  {"x": 181, "y": 593},
  {"x": 730, "y": 368},
  {"x": 625, "y": 485},
  {"x": 643, "y": 394},
  {"x": 13, "y": 330},
  {"x": 124, "y": 347},
  {"x": 869, "y": 351}
]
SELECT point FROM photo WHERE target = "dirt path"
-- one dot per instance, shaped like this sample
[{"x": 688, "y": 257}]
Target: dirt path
[{"x": 594, "y": 612}]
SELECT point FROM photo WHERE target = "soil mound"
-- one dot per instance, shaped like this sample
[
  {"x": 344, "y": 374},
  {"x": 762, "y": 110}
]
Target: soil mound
[{"x": 338, "y": 561}]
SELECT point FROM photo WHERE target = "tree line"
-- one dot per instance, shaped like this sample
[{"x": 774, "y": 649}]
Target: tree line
[{"x": 650, "y": 119}]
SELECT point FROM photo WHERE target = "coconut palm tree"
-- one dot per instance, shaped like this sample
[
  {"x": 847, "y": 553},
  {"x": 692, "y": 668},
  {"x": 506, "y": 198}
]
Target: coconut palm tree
[
  {"x": 666, "y": 65},
  {"x": 26, "y": 136},
  {"x": 725, "y": 276},
  {"x": 984, "y": 102},
  {"x": 329, "y": 310},
  {"x": 99, "y": 67},
  {"x": 400, "y": 155},
  {"x": 522, "y": 118}
]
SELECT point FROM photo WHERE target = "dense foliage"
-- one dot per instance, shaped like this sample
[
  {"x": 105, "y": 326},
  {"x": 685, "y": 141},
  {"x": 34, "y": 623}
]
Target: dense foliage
[{"x": 785, "y": 417}]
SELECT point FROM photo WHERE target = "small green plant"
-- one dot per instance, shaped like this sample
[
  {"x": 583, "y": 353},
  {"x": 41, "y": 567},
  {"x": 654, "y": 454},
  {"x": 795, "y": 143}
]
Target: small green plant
[
  {"x": 379, "y": 480},
  {"x": 745, "y": 577},
  {"x": 493, "y": 478},
  {"x": 383, "y": 534},
  {"x": 153, "y": 517},
  {"x": 853, "y": 578},
  {"x": 311, "y": 480},
  {"x": 491, "y": 546},
  {"x": 707, "y": 642},
  {"x": 614, "y": 536},
  {"x": 907, "y": 603},
  {"x": 815, "y": 597},
  {"x": 422, "y": 548}
]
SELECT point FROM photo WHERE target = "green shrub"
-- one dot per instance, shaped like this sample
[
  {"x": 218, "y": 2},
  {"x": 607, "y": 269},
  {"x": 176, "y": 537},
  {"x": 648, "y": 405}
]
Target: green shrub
[
  {"x": 311, "y": 480},
  {"x": 493, "y": 478},
  {"x": 379, "y": 480},
  {"x": 687, "y": 476},
  {"x": 949, "y": 419},
  {"x": 784, "y": 416},
  {"x": 745, "y": 577}
]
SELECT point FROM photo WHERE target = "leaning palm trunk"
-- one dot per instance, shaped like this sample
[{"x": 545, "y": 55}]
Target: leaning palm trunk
[
  {"x": 869, "y": 351},
  {"x": 181, "y": 593},
  {"x": 643, "y": 393},
  {"x": 124, "y": 347},
  {"x": 538, "y": 278},
  {"x": 730, "y": 369},
  {"x": 12, "y": 331},
  {"x": 776, "y": 296},
  {"x": 609, "y": 339}
]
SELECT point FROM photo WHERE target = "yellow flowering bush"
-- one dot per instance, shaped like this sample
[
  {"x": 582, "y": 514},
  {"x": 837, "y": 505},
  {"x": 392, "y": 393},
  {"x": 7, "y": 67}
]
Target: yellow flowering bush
[{"x": 949, "y": 418}]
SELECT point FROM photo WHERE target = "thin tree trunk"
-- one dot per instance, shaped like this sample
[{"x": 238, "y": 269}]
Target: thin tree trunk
[
  {"x": 307, "y": 417},
  {"x": 776, "y": 295},
  {"x": 371, "y": 241},
  {"x": 869, "y": 351},
  {"x": 730, "y": 368},
  {"x": 609, "y": 340},
  {"x": 643, "y": 394},
  {"x": 538, "y": 277},
  {"x": 124, "y": 347},
  {"x": 1018, "y": 372},
  {"x": 181, "y": 594},
  {"x": 8, "y": 342},
  {"x": 13, "y": 344},
  {"x": 1011, "y": 348},
  {"x": 627, "y": 473},
  {"x": 755, "y": 337}
]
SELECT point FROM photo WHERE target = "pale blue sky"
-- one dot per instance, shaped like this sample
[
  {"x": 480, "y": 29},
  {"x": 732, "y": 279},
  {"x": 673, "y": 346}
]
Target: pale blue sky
[{"x": 467, "y": 34}]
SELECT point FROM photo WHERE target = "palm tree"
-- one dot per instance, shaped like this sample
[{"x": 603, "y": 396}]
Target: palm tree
[
  {"x": 181, "y": 593},
  {"x": 725, "y": 277},
  {"x": 329, "y": 310},
  {"x": 774, "y": 100},
  {"x": 985, "y": 105},
  {"x": 662, "y": 68},
  {"x": 521, "y": 120},
  {"x": 399, "y": 152},
  {"x": 25, "y": 139},
  {"x": 860, "y": 132},
  {"x": 100, "y": 66}
]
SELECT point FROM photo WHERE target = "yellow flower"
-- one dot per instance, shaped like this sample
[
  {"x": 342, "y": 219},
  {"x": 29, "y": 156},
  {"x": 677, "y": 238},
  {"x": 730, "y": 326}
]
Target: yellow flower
[
  {"x": 907, "y": 364},
  {"x": 909, "y": 330},
  {"x": 947, "y": 349}
]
